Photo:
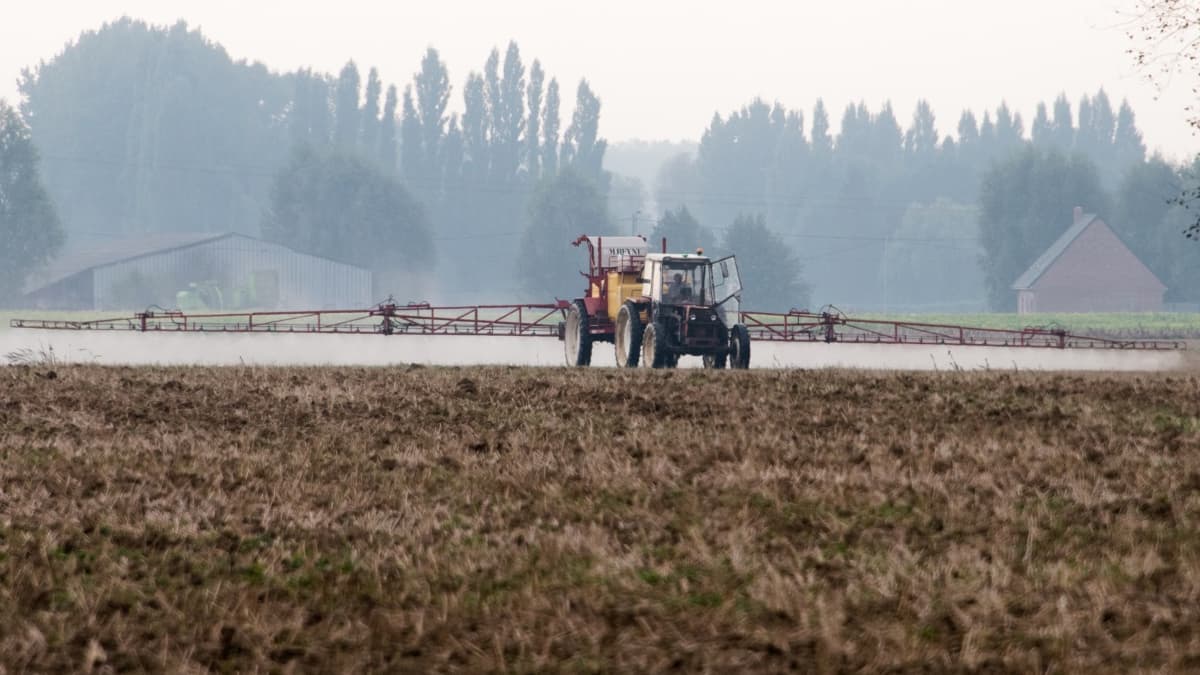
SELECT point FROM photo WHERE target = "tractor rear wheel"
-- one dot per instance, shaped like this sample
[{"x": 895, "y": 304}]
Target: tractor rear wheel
[
  {"x": 655, "y": 353},
  {"x": 577, "y": 339},
  {"x": 716, "y": 360},
  {"x": 628, "y": 337},
  {"x": 739, "y": 347}
]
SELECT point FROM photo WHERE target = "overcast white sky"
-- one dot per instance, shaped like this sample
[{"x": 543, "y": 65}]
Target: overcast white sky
[{"x": 663, "y": 67}]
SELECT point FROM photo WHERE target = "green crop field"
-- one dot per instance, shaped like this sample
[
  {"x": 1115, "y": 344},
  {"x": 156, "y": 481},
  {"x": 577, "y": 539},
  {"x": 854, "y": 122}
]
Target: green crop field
[
  {"x": 1167, "y": 325},
  {"x": 1164, "y": 324}
]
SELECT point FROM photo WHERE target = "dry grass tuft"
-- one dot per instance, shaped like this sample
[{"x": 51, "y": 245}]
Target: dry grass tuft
[
  {"x": 28, "y": 356},
  {"x": 243, "y": 519}
]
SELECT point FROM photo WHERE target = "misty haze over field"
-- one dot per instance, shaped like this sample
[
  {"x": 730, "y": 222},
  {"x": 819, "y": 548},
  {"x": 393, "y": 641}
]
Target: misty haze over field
[
  {"x": 328, "y": 342},
  {"x": 121, "y": 348},
  {"x": 909, "y": 162}
]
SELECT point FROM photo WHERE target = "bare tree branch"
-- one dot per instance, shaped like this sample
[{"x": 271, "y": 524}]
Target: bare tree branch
[{"x": 1166, "y": 37}]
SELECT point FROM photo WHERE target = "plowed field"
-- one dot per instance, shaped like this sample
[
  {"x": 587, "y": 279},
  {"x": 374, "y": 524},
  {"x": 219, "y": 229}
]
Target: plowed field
[{"x": 415, "y": 519}]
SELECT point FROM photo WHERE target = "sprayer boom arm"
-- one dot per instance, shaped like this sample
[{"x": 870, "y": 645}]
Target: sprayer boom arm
[{"x": 543, "y": 320}]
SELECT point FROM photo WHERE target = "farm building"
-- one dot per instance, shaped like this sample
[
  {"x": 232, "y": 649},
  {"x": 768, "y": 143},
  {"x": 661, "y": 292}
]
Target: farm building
[
  {"x": 197, "y": 271},
  {"x": 1088, "y": 269}
]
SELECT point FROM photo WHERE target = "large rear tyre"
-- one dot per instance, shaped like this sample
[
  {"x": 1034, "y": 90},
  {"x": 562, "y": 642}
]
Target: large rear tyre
[
  {"x": 739, "y": 347},
  {"x": 577, "y": 339},
  {"x": 654, "y": 347},
  {"x": 628, "y": 337}
]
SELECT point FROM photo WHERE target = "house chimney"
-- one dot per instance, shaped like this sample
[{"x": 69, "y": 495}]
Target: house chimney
[{"x": 1078, "y": 213}]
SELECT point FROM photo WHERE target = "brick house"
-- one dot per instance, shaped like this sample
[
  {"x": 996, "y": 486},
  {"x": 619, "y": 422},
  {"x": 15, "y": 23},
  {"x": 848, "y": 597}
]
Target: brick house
[{"x": 1088, "y": 269}]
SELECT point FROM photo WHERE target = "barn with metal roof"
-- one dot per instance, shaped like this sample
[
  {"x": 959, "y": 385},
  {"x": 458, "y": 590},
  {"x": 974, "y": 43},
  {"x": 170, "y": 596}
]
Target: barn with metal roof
[{"x": 227, "y": 270}]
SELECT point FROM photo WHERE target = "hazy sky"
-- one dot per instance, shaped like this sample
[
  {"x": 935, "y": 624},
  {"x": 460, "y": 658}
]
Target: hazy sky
[{"x": 663, "y": 67}]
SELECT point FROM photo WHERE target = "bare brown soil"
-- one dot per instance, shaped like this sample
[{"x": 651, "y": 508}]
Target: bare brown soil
[{"x": 534, "y": 519}]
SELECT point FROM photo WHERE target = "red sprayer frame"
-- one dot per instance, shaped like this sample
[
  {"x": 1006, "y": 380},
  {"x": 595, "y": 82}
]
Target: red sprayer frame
[
  {"x": 543, "y": 320},
  {"x": 387, "y": 319}
]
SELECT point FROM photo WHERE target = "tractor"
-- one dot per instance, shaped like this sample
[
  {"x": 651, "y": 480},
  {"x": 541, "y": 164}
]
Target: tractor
[{"x": 656, "y": 307}]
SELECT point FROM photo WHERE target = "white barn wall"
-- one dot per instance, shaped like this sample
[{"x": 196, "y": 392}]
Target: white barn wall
[{"x": 305, "y": 281}]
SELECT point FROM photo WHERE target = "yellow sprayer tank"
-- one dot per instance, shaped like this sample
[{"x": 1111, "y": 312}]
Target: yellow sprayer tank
[{"x": 621, "y": 287}]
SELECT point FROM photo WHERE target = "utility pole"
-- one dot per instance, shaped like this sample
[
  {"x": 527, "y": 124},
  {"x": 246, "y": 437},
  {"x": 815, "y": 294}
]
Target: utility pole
[
  {"x": 887, "y": 306},
  {"x": 633, "y": 220}
]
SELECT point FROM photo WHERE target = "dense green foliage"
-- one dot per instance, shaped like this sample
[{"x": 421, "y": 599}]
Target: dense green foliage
[
  {"x": 1165, "y": 35},
  {"x": 881, "y": 213},
  {"x": 682, "y": 232},
  {"x": 769, "y": 270},
  {"x": 1025, "y": 205},
  {"x": 562, "y": 207},
  {"x": 342, "y": 207},
  {"x": 29, "y": 229},
  {"x": 1149, "y": 216},
  {"x": 478, "y": 174},
  {"x": 147, "y": 129},
  {"x": 173, "y": 135},
  {"x": 933, "y": 257},
  {"x": 155, "y": 129}
]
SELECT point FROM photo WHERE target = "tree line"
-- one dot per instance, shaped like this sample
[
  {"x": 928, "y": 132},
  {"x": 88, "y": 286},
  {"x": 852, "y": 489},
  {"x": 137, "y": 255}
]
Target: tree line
[
  {"x": 475, "y": 174},
  {"x": 151, "y": 129},
  {"x": 908, "y": 217}
]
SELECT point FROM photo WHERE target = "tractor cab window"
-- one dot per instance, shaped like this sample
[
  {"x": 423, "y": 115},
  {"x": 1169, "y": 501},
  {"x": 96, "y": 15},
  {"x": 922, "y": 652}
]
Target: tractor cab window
[{"x": 684, "y": 283}]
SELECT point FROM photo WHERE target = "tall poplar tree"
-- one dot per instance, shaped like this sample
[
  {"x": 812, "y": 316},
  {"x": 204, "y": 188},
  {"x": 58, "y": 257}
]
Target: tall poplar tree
[
  {"x": 30, "y": 233},
  {"x": 369, "y": 133},
  {"x": 1042, "y": 132},
  {"x": 533, "y": 123},
  {"x": 495, "y": 108},
  {"x": 921, "y": 139},
  {"x": 509, "y": 116},
  {"x": 1010, "y": 130},
  {"x": 822, "y": 142},
  {"x": 432, "y": 86},
  {"x": 1127, "y": 140},
  {"x": 968, "y": 131},
  {"x": 387, "y": 132},
  {"x": 1103, "y": 120},
  {"x": 346, "y": 110},
  {"x": 475, "y": 130},
  {"x": 1086, "y": 138},
  {"x": 411, "y": 156},
  {"x": 583, "y": 148},
  {"x": 1062, "y": 128},
  {"x": 550, "y": 122}
]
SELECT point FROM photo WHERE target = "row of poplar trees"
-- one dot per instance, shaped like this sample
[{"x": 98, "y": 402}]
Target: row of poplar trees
[
  {"x": 151, "y": 129},
  {"x": 474, "y": 174},
  {"x": 144, "y": 128},
  {"x": 907, "y": 217}
]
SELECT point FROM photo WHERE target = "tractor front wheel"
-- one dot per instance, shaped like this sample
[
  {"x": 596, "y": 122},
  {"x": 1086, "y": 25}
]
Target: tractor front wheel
[
  {"x": 654, "y": 347},
  {"x": 716, "y": 361},
  {"x": 628, "y": 338},
  {"x": 577, "y": 339},
  {"x": 739, "y": 347}
]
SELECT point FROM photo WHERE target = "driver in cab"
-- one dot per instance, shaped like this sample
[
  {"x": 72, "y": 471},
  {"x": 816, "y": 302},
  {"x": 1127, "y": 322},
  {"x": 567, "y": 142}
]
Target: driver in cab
[{"x": 678, "y": 290}]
